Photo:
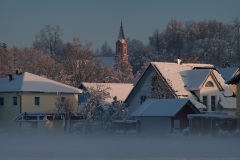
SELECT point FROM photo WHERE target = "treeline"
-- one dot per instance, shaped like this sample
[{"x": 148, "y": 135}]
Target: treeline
[
  {"x": 204, "y": 42},
  {"x": 74, "y": 62}
]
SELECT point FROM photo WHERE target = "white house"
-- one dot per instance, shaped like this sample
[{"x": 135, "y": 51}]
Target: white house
[{"x": 200, "y": 83}]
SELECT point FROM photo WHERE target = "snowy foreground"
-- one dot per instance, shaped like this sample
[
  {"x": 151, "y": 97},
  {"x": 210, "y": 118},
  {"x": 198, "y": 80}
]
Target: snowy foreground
[{"x": 78, "y": 147}]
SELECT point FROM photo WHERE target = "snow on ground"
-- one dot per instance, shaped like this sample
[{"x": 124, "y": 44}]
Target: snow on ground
[{"x": 79, "y": 147}]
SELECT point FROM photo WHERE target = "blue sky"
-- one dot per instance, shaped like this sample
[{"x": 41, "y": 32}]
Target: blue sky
[{"x": 98, "y": 21}]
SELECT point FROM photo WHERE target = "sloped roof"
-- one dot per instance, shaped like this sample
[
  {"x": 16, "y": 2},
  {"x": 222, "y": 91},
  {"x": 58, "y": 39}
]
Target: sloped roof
[
  {"x": 227, "y": 73},
  {"x": 234, "y": 80},
  {"x": 171, "y": 73},
  {"x": 226, "y": 90},
  {"x": 193, "y": 79},
  {"x": 121, "y": 35},
  {"x": 121, "y": 90},
  {"x": 176, "y": 77},
  {"x": 160, "y": 107},
  {"x": 28, "y": 82}
]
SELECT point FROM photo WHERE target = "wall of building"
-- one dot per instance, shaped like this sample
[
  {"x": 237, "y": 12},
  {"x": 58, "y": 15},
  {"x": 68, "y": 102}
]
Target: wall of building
[
  {"x": 142, "y": 89},
  {"x": 8, "y": 112},
  {"x": 155, "y": 126},
  {"x": 47, "y": 101},
  {"x": 209, "y": 91}
]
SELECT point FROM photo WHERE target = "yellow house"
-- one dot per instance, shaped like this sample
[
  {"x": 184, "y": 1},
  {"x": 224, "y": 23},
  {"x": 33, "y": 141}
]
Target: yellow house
[
  {"x": 235, "y": 81},
  {"x": 26, "y": 92},
  {"x": 227, "y": 74}
]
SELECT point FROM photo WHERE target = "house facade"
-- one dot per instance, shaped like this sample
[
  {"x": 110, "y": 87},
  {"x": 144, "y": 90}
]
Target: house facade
[
  {"x": 201, "y": 83},
  {"x": 27, "y": 92},
  {"x": 235, "y": 81}
]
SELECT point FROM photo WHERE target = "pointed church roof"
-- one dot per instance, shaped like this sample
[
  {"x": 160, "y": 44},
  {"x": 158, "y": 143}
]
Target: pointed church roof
[{"x": 121, "y": 35}]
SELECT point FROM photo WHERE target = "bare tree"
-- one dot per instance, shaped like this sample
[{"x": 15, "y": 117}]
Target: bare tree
[
  {"x": 78, "y": 63},
  {"x": 49, "y": 39},
  {"x": 5, "y": 62},
  {"x": 105, "y": 51},
  {"x": 64, "y": 107}
]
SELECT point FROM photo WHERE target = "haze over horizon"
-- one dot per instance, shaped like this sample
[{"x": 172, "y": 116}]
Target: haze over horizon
[{"x": 99, "y": 21}]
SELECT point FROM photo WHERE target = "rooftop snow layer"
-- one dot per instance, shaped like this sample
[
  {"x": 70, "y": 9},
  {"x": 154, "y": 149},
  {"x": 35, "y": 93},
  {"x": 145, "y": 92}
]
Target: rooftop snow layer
[
  {"x": 183, "y": 78},
  {"x": 121, "y": 90},
  {"x": 171, "y": 72},
  {"x": 28, "y": 82},
  {"x": 160, "y": 107}
]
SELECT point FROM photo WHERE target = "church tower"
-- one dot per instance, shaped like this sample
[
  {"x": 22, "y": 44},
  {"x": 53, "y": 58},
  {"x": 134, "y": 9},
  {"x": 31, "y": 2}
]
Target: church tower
[{"x": 121, "y": 56}]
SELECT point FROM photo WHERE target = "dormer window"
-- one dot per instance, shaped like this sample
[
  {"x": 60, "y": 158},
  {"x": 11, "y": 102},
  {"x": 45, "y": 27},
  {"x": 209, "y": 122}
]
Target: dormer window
[{"x": 209, "y": 84}]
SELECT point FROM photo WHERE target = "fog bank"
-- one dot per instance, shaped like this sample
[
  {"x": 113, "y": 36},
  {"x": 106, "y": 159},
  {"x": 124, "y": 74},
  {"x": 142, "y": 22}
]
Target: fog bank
[{"x": 73, "y": 147}]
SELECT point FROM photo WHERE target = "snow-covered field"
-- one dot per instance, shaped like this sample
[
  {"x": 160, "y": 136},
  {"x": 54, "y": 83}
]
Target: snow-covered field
[{"x": 78, "y": 147}]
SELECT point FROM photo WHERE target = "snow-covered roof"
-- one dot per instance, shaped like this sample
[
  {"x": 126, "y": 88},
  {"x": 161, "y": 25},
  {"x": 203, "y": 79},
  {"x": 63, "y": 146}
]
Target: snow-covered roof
[
  {"x": 28, "y": 82},
  {"x": 193, "y": 79},
  {"x": 120, "y": 90},
  {"x": 199, "y": 65},
  {"x": 226, "y": 90},
  {"x": 171, "y": 73},
  {"x": 160, "y": 107},
  {"x": 106, "y": 61},
  {"x": 227, "y": 73},
  {"x": 183, "y": 78}
]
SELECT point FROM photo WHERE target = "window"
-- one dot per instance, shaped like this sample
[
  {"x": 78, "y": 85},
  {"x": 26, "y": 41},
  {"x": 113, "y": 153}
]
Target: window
[
  {"x": 205, "y": 100},
  {"x": 15, "y": 103},
  {"x": 143, "y": 98},
  {"x": 1, "y": 101},
  {"x": 37, "y": 101},
  {"x": 213, "y": 103},
  {"x": 209, "y": 84}
]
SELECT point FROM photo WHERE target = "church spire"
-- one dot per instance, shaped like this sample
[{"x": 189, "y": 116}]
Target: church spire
[{"x": 121, "y": 32}]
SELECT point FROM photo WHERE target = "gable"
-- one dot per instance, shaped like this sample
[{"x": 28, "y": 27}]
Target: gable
[
  {"x": 211, "y": 83},
  {"x": 143, "y": 87},
  {"x": 170, "y": 72}
]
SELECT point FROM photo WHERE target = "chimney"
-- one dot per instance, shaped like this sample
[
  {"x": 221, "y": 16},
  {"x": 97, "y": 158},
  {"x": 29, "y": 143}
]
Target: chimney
[
  {"x": 10, "y": 78},
  {"x": 179, "y": 61},
  {"x": 18, "y": 71}
]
